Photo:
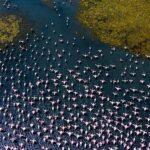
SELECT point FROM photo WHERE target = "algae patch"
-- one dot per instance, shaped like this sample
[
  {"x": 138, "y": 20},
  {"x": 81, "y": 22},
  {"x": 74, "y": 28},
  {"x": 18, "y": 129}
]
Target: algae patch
[
  {"x": 10, "y": 27},
  {"x": 121, "y": 23}
]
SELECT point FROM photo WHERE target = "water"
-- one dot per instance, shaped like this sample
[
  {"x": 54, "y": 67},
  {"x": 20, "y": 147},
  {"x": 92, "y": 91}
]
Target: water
[{"x": 43, "y": 59}]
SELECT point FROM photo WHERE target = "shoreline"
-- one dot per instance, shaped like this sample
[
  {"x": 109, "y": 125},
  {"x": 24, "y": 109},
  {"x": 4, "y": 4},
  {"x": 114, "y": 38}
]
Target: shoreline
[
  {"x": 114, "y": 32},
  {"x": 24, "y": 27}
]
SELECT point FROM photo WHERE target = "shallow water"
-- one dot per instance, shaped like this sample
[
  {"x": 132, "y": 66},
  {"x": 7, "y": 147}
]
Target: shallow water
[{"x": 11, "y": 91}]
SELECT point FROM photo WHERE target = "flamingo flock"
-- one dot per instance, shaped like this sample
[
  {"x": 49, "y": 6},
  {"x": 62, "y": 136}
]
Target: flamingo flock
[{"x": 56, "y": 96}]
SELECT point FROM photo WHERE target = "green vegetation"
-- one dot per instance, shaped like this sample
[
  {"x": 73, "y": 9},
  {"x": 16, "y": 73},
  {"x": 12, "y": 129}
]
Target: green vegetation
[
  {"x": 9, "y": 28},
  {"x": 119, "y": 22}
]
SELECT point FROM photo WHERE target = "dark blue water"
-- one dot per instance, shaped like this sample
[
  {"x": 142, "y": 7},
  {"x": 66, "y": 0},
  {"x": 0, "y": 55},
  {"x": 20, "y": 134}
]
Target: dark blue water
[{"x": 45, "y": 59}]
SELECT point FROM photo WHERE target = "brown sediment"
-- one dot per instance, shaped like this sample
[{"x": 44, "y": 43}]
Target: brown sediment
[{"x": 47, "y": 2}]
